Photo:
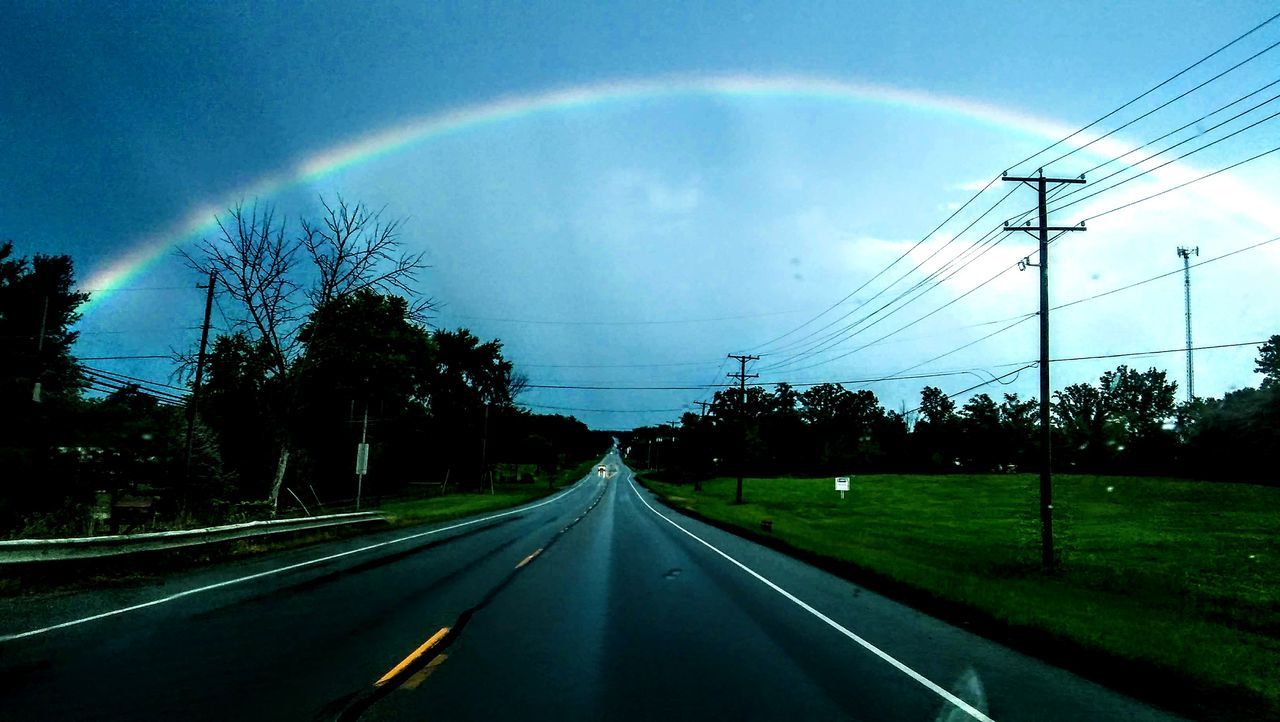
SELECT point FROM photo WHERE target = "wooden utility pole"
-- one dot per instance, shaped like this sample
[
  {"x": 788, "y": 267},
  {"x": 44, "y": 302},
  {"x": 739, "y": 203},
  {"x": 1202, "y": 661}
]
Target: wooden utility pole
[
  {"x": 742, "y": 377},
  {"x": 195, "y": 385},
  {"x": 1041, "y": 185}
]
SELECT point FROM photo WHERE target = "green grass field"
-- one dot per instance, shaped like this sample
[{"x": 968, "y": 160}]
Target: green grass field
[
  {"x": 453, "y": 506},
  {"x": 1178, "y": 574}
]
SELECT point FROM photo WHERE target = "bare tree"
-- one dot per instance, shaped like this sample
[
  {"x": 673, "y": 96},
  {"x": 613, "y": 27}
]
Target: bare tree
[
  {"x": 264, "y": 272},
  {"x": 353, "y": 249}
]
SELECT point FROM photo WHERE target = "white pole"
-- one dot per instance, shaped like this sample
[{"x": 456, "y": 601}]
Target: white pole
[{"x": 364, "y": 435}]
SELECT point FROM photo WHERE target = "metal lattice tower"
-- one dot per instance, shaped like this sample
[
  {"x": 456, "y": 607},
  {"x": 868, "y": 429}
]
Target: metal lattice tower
[{"x": 1185, "y": 254}]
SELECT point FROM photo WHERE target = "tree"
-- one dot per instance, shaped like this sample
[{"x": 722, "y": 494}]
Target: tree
[
  {"x": 34, "y": 294},
  {"x": 1268, "y": 363},
  {"x": 843, "y": 425},
  {"x": 239, "y": 402},
  {"x": 936, "y": 434},
  {"x": 980, "y": 433},
  {"x": 263, "y": 271},
  {"x": 1082, "y": 417},
  {"x": 361, "y": 352},
  {"x": 469, "y": 380},
  {"x": 1019, "y": 430},
  {"x": 1119, "y": 421},
  {"x": 1141, "y": 401}
]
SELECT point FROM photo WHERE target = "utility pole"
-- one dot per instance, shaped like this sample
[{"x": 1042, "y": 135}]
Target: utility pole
[
  {"x": 703, "y": 405},
  {"x": 44, "y": 318},
  {"x": 362, "y": 455},
  {"x": 1041, "y": 185},
  {"x": 195, "y": 386},
  {"x": 1185, "y": 255},
  {"x": 484, "y": 450},
  {"x": 742, "y": 377}
]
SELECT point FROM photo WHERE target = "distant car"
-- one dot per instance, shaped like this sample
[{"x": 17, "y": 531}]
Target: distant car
[{"x": 602, "y": 469}]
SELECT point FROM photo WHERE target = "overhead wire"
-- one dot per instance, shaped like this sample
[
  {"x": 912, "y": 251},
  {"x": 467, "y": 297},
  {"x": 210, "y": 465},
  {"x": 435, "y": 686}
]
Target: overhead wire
[
  {"x": 1059, "y": 142},
  {"x": 814, "y": 350}
]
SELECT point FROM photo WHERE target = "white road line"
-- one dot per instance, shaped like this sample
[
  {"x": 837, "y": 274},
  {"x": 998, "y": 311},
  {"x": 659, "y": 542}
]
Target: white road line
[
  {"x": 290, "y": 567},
  {"x": 961, "y": 704}
]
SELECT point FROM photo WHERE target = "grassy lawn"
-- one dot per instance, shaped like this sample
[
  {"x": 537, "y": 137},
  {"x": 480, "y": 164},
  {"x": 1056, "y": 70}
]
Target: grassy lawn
[
  {"x": 453, "y": 506},
  {"x": 1181, "y": 575}
]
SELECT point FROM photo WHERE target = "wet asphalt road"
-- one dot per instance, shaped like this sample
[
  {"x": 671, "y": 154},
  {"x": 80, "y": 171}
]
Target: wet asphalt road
[{"x": 597, "y": 603}]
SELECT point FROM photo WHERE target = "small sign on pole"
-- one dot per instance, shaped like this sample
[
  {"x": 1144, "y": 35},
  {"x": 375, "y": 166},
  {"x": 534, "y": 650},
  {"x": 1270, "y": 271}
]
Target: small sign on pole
[
  {"x": 842, "y": 485},
  {"x": 362, "y": 459},
  {"x": 362, "y": 468}
]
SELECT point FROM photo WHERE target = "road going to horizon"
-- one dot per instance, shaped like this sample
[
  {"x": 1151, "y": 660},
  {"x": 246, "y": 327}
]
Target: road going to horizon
[{"x": 596, "y": 603}]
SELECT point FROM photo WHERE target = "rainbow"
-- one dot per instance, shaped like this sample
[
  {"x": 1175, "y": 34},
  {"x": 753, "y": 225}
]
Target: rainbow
[{"x": 147, "y": 251}]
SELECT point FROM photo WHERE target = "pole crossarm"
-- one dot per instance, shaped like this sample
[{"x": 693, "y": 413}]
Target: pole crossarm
[{"x": 1038, "y": 179}]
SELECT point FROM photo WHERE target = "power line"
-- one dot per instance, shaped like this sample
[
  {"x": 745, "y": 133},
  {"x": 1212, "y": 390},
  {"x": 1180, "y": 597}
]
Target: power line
[
  {"x": 124, "y": 358},
  {"x": 1097, "y": 215},
  {"x": 1167, "y": 103},
  {"x": 877, "y": 294},
  {"x": 606, "y": 411},
  {"x": 1017, "y": 320},
  {"x": 106, "y": 386},
  {"x": 655, "y": 322},
  {"x": 134, "y": 378},
  {"x": 1151, "y": 90},
  {"x": 984, "y": 383},
  {"x": 158, "y": 393},
  {"x": 1137, "y": 163},
  {"x": 1166, "y": 275},
  {"x": 110, "y": 289},
  {"x": 1096, "y": 357},
  {"x": 1183, "y": 185},
  {"x": 619, "y": 366},
  {"x": 1043, "y": 150},
  {"x": 1180, "y": 349},
  {"x": 882, "y": 271},
  {"x": 1184, "y": 126},
  {"x": 1164, "y": 164}
]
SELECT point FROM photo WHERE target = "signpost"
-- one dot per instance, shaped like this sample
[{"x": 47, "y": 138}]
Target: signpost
[
  {"x": 842, "y": 485},
  {"x": 362, "y": 468}
]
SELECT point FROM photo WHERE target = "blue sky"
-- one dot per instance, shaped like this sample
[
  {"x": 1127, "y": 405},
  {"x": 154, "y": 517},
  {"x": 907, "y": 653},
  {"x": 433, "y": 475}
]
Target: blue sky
[{"x": 651, "y": 216}]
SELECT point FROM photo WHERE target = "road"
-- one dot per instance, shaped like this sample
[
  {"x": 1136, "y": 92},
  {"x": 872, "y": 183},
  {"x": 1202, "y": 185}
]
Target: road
[{"x": 596, "y": 603}]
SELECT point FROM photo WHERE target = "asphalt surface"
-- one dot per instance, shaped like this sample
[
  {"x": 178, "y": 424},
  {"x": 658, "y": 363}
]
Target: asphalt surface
[{"x": 597, "y": 603}]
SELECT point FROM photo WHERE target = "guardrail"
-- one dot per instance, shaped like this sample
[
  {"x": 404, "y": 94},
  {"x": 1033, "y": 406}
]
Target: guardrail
[{"x": 21, "y": 551}]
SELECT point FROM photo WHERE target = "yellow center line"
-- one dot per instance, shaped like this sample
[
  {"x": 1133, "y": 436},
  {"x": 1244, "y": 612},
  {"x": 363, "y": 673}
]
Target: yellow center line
[
  {"x": 435, "y": 639},
  {"x": 529, "y": 558},
  {"x": 422, "y": 674}
]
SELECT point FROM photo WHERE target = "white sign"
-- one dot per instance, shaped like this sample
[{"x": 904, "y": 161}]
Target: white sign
[
  {"x": 362, "y": 459},
  {"x": 842, "y": 483}
]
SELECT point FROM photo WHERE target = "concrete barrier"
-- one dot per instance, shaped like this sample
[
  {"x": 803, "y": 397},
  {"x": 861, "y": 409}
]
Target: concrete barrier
[{"x": 24, "y": 551}]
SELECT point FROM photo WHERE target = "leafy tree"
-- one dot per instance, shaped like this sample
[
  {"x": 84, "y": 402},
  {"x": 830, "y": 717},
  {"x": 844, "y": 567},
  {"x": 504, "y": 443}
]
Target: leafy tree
[
  {"x": 1019, "y": 430},
  {"x": 936, "y": 435},
  {"x": 1268, "y": 363},
  {"x": 37, "y": 292},
  {"x": 238, "y": 402},
  {"x": 274, "y": 280},
  {"x": 980, "y": 433},
  {"x": 1083, "y": 423},
  {"x": 844, "y": 426},
  {"x": 1141, "y": 401},
  {"x": 468, "y": 381}
]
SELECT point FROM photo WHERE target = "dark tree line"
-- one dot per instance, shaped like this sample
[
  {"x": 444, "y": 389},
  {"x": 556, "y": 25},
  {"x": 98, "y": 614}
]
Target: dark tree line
[
  {"x": 326, "y": 329},
  {"x": 1129, "y": 422}
]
